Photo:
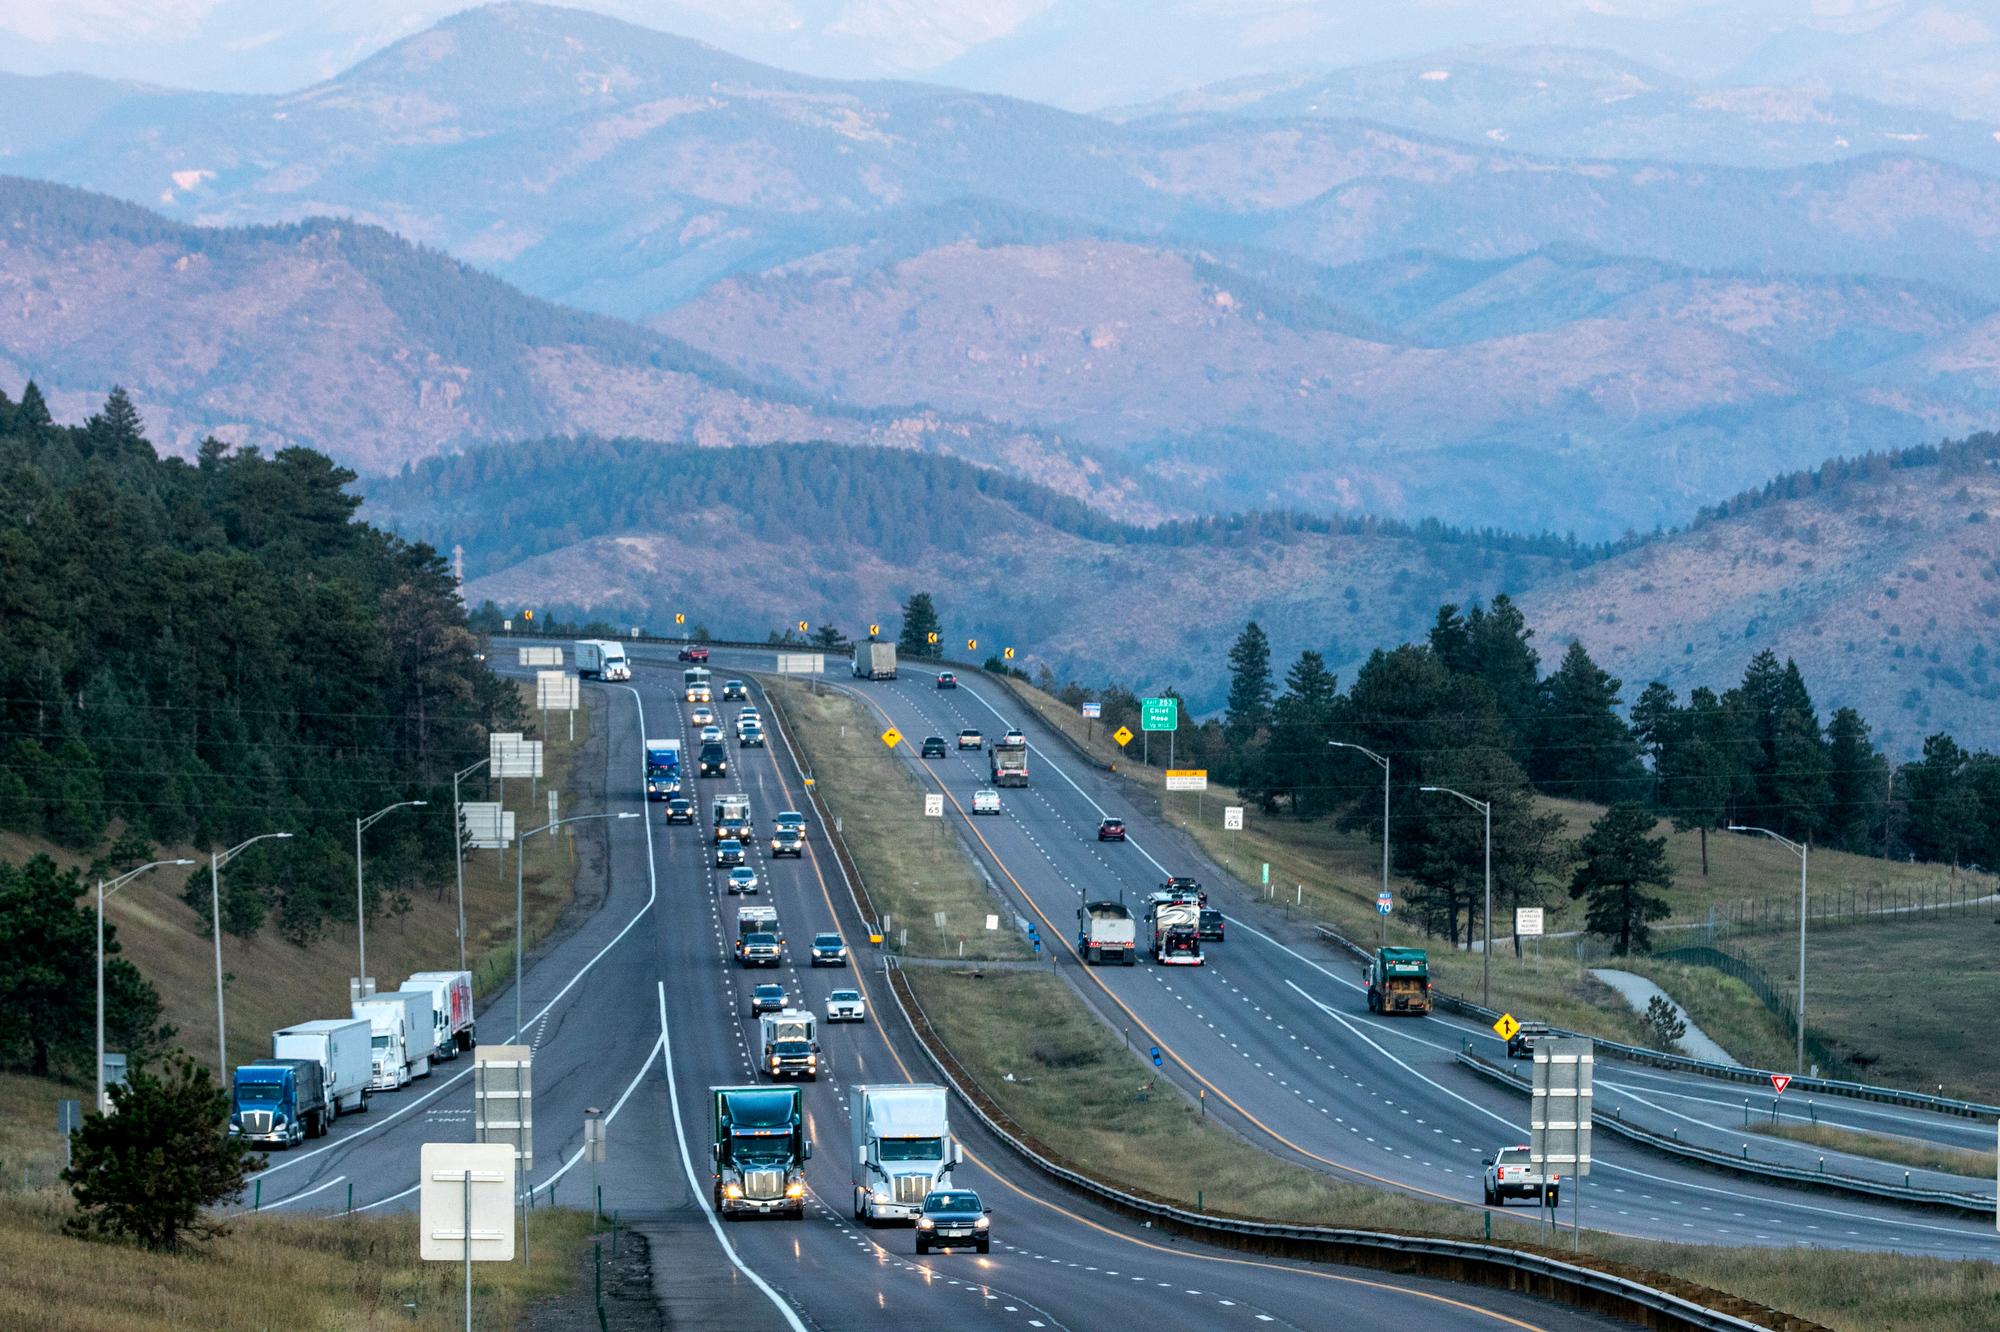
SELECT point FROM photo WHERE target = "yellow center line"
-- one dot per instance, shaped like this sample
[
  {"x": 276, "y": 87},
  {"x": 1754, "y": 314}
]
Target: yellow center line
[{"x": 827, "y": 896}]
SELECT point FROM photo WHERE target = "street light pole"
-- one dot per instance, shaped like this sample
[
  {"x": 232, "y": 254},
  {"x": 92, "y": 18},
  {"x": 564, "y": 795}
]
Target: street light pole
[
  {"x": 458, "y": 850},
  {"x": 1383, "y": 924},
  {"x": 520, "y": 849},
  {"x": 1485, "y": 807},
  {"x": 105, "y": 890},
  {"x": 1802, "y": 851},
  {"x": 362, "y": 825},
  {"x": 215, "y": 864}
]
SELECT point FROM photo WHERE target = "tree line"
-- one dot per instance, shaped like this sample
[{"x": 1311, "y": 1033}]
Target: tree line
[
  {"x": 200, "y": 651},
  {"x": 1471, "y": 709}
]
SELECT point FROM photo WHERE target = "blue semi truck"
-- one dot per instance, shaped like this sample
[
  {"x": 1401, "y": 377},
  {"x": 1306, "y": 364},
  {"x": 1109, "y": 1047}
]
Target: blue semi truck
[
  {"x": 281, "y": 1102},
  {"x": 663, "y": 769}
]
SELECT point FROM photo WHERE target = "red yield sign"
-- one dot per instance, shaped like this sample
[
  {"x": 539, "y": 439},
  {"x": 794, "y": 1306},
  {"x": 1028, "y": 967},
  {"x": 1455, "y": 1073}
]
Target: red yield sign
[{"x": 1781, "y": 1081}]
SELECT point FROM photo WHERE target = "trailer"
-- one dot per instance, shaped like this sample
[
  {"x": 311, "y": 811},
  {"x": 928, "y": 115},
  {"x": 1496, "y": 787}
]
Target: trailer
[
  {"x": 874, "y": 660},
  {"x": 452, "y": 1026},
  {"x": 602, "y": 659},
  {"x": 400, "y": 1028},
  {"x": 343, "y": 1049}
]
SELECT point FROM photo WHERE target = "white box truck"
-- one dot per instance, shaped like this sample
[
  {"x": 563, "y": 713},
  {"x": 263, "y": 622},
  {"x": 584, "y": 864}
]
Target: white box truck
[
  {"x": 400, "y": 1033},
  {"x": 874, "y": 661},
  {"x": 790, "y": 1044},
  {"x": 344, "y": 1049},
  {"x": 453, "y": 1029},
  {"x": 602, "y": 659},
  {"x": 903, "y": 1148}
]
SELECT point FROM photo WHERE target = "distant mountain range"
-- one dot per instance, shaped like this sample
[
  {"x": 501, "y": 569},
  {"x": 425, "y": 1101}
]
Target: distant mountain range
[{"x": 1192, "y": 312}]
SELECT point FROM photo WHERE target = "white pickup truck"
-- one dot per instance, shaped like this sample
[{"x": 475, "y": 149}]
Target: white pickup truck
[{"x": 1512, "y": 1174}]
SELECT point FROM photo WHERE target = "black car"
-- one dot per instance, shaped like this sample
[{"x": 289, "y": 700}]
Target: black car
[
  {"x": 733, "y": 689},
  {"x": 680, "y": 811},
  {"x": 946, "y": 680},
  {"x": 714, "y": 760},
  {"x": 1521, "y": 1045},
  {"x": 954, "y": 1219},
  {"x": 934, "y": 746},
  {"x": 828, "y": 951},
  {"x": 1211, "y": 924},
  {"x": 1182, "y": 888},
  {"x": 788, "y": 842},
  {"x": 767, "y": 998},
  {"x": 728, "y": 855}
]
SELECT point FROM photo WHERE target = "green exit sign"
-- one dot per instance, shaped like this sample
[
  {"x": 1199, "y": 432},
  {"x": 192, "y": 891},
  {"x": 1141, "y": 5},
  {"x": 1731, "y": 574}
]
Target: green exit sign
[{"x": 1159, "y": 714}]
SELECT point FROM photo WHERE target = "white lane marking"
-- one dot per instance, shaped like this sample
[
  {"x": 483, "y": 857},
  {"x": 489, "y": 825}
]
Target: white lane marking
[{"x": 307, "y": 1194}]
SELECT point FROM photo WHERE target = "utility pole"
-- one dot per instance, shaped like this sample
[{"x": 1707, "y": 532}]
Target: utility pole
[{"x": 1383, "y": 925}]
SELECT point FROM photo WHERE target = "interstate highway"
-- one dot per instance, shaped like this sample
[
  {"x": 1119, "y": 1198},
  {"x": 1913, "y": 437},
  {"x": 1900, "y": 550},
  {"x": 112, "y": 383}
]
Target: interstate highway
[
  {"x": 1275, "y": 1032},
  {"x": 649, "y": 970}
]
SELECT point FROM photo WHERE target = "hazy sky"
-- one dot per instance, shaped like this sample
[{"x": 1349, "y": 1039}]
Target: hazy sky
[{"x": 1082, "y": 53}]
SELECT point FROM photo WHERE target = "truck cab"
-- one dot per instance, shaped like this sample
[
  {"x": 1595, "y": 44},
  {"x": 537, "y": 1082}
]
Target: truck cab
[
  {"x": 1399, "y": 981},
  {"x": 903, "y": 1149},
  {"x": 281, "y": 1102},
  {"x": 760, "y": 1152},
  {"x": 663, "y": 769}
]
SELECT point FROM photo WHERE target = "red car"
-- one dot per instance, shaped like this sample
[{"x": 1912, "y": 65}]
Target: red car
[
  {"x": 1111, "y": 830},
  {"x": 696, "y": 654}
]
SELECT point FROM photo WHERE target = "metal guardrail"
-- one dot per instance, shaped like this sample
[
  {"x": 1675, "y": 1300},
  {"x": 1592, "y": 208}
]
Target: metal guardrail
[
  {"x": 1639, "y": 1054},
  {"x": 1976, "y": 1204}
]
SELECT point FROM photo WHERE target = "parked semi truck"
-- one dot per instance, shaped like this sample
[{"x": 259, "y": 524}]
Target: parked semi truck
[
  {"x": 1176, "y": 930},
  {"x": 1399, "y": 981},
  {"x": 1106, "y": 932},
  {"x": 400, "y": 1025},
  {"x": 789, "y": 1043},
  {"x": 281, "y": 1102},
  {"x": 760, "y": 1151},
  {"x": 663, "y": 769},
  {"x": 453, "y": 1030},
  {"x": 602, "y": 659},
  {"x": 874, "y": 661},
  {"x": 903, "y": 1148},
  {"x": 1008, "y": 760},
  {"x": 343, "y": 1048}
]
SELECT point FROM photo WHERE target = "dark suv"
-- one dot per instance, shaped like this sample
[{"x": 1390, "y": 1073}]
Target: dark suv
[
  {"x": 954, "y": 1219},
  {"x": 934, "y": 746},
  {"x": 714, "y": 760},
  {"x": 680, "y": 811},
  {"x": 946, "y": 680},
  {"x": 1211, "y": 924}
]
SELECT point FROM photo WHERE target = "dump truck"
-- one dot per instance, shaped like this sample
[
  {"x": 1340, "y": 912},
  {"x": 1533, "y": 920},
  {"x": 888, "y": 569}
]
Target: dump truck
[
  {"x": 874, "y": 661},
  {"x": 1008, "y": 760},
  {"x": 789, "y": 1041},
  {"x": 1106, "y": 932},
  {"x": 1399, "y": 981},
  {"x": 760, "y": 1151},
  {"x": 279, "y": 1101},
  {"x": 903, "y": 1148}
]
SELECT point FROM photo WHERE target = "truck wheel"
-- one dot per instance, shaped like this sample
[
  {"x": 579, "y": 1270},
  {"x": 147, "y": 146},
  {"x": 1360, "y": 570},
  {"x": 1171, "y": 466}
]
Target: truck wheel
[
  {"x": 1487, "y": 1194},
  {"x": 1374, "y": 1002},
  {"x": 1091, "y": 955},
  {"x": 922, "y": 1248},
  {"x": 1131, "y": 959},
  {"x": 986, "y": 1246}
]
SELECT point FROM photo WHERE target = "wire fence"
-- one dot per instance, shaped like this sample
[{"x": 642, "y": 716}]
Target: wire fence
[
  {"x": 1774, "y": 998},
  {"x": 1887, "y": 903}
]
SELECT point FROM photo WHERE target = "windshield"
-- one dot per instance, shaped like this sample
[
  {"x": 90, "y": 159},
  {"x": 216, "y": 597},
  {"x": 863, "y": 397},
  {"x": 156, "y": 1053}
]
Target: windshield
[
  {"x": 792, "y": 1047},
  {"x": 845, "y": 996},
  {"x": 762, "y": 941},
  {"x": 952, "y": 1203},
  {"x": 826, "y": 941},
  {"x": 259, "y": 1093},
  {"x": 912, "y": 1149},
  {"x": 380, "y": 1042},
  {"x": 745, "y": 1150}
]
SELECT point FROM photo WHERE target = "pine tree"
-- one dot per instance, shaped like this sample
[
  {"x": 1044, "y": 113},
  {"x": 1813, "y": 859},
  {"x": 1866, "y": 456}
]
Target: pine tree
[
  {"x": 1249, "y": 707},
  {"x": 1800, "y": 782},
  {"x": 117, "y": 429},
  {"x": 1509, "y": 667},
  {"x": 1619, "y": 863},
  {"x": 920, "y": 626},
  {"x": 1295, "y": 761},
  {"x": 1585, "y": 750},
  {"x": 1857, "y": 777},
  {"x": 1652, "y": 722},
  {"x": 34, "y": 412}
]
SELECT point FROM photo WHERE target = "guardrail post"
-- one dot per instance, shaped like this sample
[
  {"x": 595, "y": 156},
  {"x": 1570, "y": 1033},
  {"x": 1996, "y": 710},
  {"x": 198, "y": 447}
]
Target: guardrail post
[{"x": 1746, "y": 1112}]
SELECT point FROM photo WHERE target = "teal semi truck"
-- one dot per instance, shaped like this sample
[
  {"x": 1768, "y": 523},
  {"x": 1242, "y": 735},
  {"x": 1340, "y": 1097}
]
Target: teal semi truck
[
  {"x": 278, "y": 1102},
  {"x": 760, "y": 1152}
]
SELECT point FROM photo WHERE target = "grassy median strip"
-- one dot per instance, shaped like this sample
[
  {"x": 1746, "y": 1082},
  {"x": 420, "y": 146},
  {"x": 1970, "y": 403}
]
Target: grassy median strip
[
  {"x": 270, "y": 1272},
  {"x": 914, "y": 869},
  {"x": 1979, "y": 1166}
]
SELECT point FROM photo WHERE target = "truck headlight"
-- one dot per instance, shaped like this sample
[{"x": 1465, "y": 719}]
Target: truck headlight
[
  {"x": 796, "y": 1189},
  {"x": 879, "y": 1196},
  {"x": 732, "y": 1190}
]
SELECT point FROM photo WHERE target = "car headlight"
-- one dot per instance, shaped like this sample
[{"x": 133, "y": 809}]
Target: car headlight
[
  {"x": 732, "y": 1190},
  {"x": 981, "y": 1223},
  {"x": 925, "y": 1223},
  {"x": 796, "y": 1189}
]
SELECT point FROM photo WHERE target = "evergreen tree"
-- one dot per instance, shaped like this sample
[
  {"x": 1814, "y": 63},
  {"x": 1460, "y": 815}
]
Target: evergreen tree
[
  {"x": 1249, "y": 707},
  {"x": 117, "y": 430},
  {"x": 1295, "y": 760},
  {"x": 920, "y": 625},
  {"x": 1857, "y": 777},
  {"x": 33, "y": 413},
  {"x": 1620, "y": 862},
  {"x": 1704, "y": 765},
  {"x": 150, "y": 1170},
  {"x": 1585, "y": 750},
  {"x": 1653, "y": 718},
  {"x": 1800, "y": 782},
  {"x": 1944, "y": 815},
  {"x": 1509, "y": 667},
  {"x": 1528, "y": 847}
]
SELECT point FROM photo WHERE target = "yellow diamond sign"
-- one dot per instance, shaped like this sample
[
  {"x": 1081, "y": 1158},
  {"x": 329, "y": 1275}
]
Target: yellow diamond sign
[
  {"x": 1123, "y": 735},
  {"x": 892, "y": 737},
  {"x": 1506, "y": 1026}
]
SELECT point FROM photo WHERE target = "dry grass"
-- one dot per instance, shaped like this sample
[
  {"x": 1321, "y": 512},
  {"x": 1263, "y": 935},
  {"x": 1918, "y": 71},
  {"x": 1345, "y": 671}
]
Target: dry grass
[
  {"x": 31, "y": 1151},
  {"x": 913, "y": 865},
  {"x": 1075, "y": 1084},
  {"x": 269, "y": 1272},
  {"x": 271, "y": 983},
  {"x": 1887, "y": 1147},
  {"x": 1723, "y": 1007}
]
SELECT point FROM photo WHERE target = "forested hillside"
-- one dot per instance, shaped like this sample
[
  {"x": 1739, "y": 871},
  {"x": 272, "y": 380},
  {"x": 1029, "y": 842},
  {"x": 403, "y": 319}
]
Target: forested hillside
[{"x": 198, "y": 652}]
